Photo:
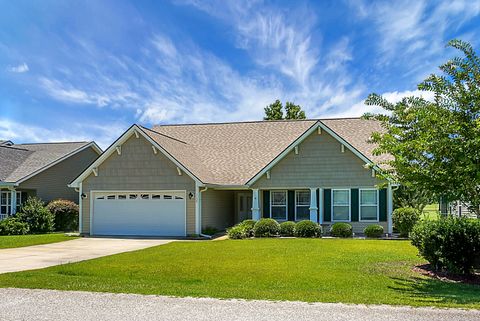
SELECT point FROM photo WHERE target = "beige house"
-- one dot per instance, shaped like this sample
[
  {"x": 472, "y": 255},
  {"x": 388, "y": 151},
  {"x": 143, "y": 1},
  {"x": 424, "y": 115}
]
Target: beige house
[
  {"x": 175, "y": 180},
  {"x": 42, "y": 170}
]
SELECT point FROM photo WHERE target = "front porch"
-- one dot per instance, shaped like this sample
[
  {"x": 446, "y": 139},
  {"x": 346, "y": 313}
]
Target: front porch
[
  {"x": 11, "y": 200},
  {"x": 358, "y": 206}
]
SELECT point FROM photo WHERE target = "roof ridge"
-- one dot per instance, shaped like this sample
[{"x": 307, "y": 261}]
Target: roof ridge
[
  {"x": 14, "y": 147},
  {"x": 238, "y": 122},
  {"x": 47, "y": 143},
  {"x": 161, "y": 134}
]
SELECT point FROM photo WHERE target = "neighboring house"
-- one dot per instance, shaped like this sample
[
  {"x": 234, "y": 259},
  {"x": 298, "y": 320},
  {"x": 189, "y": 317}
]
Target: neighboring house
[
  {"x": 42, "y": 170},
  {"x": 175, "y": 180},
  {"x": 455, "y": 208}
]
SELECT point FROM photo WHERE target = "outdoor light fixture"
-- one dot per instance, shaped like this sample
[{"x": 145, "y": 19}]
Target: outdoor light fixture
[
  {"x": 190, "y": 195},
  {"x": 84, "y": 195}
]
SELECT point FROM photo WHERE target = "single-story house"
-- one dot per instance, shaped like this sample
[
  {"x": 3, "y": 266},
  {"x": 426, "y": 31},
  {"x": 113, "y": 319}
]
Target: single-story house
[
  {"x": 43, "y": 170},
  {"x": 175, "y": 180}
]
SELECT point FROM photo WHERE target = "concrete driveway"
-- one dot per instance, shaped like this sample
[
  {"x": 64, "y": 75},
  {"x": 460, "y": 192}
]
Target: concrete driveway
[{"x": 41, "y": 256}]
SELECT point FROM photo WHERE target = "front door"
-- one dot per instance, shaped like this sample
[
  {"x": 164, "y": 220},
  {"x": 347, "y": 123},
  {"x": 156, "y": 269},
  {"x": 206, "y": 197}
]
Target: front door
[{"x": 244, "y": 206}]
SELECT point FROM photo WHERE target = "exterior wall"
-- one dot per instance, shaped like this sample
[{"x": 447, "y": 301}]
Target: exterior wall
[
  {"x": 319, "y": 163},
  {"x": 137, "y": 168},
  {"x": 218, "y": 209},
  {"x": 52, "y": 183}
]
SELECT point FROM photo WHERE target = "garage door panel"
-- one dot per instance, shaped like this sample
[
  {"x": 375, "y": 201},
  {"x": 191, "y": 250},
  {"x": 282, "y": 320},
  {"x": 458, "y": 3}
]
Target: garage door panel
[{"x": 153, "y": 215}]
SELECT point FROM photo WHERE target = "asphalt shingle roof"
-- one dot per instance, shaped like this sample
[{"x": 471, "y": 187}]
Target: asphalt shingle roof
[
  {"x": 21, "y": 160},
  {"x": 233, "y": 153}
]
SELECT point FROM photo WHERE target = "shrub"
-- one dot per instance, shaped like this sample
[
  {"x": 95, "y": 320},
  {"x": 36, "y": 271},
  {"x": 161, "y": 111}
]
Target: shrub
[
  {"x": 248, "y": 226},
  {"x": 404, "y": 219},
  {"x": 209, "y": 230},
  {"x": 12, "y": 226},
  {"x": 373, "y": 230},
  {"x": 341, "y": 230},
  {"x": 236, "y": 232},
  {"x": 287, "y": 228},
  {"x": 451, "y": 244},
  {"x": 65, "y": 213},
  {"x": 308, "y": 228},
  {"x": 37, "y": 216},
  {"x": 266, "y": 227}
]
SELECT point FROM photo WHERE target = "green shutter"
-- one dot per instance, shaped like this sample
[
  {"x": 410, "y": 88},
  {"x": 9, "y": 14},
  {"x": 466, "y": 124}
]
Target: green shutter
[
  {"x": 266, "y": 203},
  {"x": 327, "y": 205},
  {"x": 291, "y": 206},
  {"x": 383, "y": 205},
  {"x": 318, "y": 205},
  {"x": 354, "y": 204}
]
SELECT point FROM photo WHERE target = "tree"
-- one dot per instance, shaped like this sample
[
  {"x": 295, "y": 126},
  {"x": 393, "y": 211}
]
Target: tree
[
  {"x": 294, "y": 111},
  {"x": 274, "y": 111},
  {"x": 436, "y": 144},
  {"x": 406, "y": 196}
]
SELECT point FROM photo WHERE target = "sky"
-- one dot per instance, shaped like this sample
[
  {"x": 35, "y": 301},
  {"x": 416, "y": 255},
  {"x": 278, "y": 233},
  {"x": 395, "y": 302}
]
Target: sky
[{"x": 88, "y": 70}]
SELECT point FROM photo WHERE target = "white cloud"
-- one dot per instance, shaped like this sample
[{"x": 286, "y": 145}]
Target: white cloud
[
  {"x": 21, "y": 132},
  {"x": 359, "y": 108},
  {"x": 23, "y": 67}
]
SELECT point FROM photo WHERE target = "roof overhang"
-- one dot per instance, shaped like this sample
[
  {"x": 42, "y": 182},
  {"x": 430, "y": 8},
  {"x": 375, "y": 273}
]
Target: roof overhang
[
  {"x": 133, "y": 130},
  {"x": 308, "y": 132}
]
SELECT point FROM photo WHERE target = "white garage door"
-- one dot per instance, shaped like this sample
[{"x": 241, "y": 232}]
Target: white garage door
[{"x": 139, "y": 213}]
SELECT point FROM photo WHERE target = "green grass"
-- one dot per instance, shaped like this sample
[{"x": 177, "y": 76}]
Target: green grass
[
  {"x": 325, "y": 270},
  {"x": 36, "y": 239}
]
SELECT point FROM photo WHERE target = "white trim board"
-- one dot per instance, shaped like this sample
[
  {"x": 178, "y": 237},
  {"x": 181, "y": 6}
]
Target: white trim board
[{"x": 133, "y": 130}]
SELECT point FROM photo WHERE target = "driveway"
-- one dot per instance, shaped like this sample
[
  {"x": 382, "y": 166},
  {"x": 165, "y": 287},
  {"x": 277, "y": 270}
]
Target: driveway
[
  {"x": 24, "y": 304},
  {"x": 41, "y": 256}
]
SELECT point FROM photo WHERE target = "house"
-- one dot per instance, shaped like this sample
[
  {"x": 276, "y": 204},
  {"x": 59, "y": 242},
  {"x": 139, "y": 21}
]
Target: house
[
  {"x": 175, "y": 180},
  {"x": 42, "y": 170}
]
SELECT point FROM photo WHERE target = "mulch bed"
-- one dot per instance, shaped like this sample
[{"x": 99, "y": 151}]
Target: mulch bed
[{"x": 427, "y": 270}]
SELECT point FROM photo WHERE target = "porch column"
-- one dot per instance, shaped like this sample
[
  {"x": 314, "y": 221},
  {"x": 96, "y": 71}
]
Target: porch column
[
  {"x": 198, "y": 210},
  {"x": 389, "y": 208},
  {"x": 313, "y": 204},
  {"x": 320, "y": 207},
  {"x": 13, "y": 201},
  {"x": 255, "y": 205}
]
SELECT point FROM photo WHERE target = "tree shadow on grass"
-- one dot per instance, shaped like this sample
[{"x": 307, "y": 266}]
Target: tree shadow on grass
[{"x": 428, "y": 290}]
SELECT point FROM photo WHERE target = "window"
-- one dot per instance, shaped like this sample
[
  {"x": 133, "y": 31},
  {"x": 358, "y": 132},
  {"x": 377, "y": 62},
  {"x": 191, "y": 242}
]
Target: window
[
  {"x": 122, "y": 197},
  {"x": 156, "y": 196},
  {"x": 5, "y": 201},
  {"x": 302, "y": 205},
  {"x": 167, "y": 197},
  {"x": 368, "y": 205},
  {"x": 110, "y": 197},
  {"x": 178, "y": 198},
  {"x": 132, "y": 196},
  {"x": 341, "y": 204},
  {"x": 145, "y": 196},
  {"x": 278, "y": 205}
]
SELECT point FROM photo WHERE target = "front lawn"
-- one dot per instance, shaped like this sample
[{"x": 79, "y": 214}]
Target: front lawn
[
  {"x": 11, "y": 241},
  {"x": 325, "y": 270}
]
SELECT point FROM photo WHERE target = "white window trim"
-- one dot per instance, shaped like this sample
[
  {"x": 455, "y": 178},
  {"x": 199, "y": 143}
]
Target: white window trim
[
  {"x": 360, "y": 204},
  {"x": 349, "y": 204},
  {"x": 308, "y": 206},
  {"x": 286, "y": 205}
]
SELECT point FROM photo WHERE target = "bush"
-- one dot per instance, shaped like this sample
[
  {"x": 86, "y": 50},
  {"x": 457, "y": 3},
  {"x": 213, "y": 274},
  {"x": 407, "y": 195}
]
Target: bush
[
  {"x": 287, "y": 228},
  {"x": 209, "y": 230},
  {"x": 12, "y": 226},
  {"x": 341, "y": 230},
  {"x": 65, "y": 213},
  {"x": 248, "y": 226},
  {"x": 37, "y": 216},
  {"x": 237, "y": 232},
  {"x": 404, "y": 219},
  {"x": 308, "y": 228},
  {"x": 373, "y": 230},
  {"x": 266, "y": 227},
  {"x": 451, "y": 244}
]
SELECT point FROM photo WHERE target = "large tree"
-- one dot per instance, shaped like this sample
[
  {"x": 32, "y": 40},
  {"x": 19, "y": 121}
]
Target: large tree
[
  {"x": 274, "y": 111},
  {"x": 436, "y": 144}
]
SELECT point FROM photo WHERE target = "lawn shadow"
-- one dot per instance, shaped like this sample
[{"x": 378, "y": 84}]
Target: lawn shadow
[{"x": 429, "y": 290}]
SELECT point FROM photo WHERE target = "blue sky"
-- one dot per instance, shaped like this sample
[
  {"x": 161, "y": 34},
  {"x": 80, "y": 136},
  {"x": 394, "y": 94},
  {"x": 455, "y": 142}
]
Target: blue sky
[{"x": 87, "y": 70}]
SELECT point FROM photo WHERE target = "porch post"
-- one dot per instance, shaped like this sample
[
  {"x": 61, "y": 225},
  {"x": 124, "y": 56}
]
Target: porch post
[
  {"x": 255, "y": 205},
  {"x": 198, "y": 210},
  {"x": 313, "y": 204},
  {"x": 320, "y": 207},
  {"x": 13, "y": 201},
  {"x": 389, "y": 208}
]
